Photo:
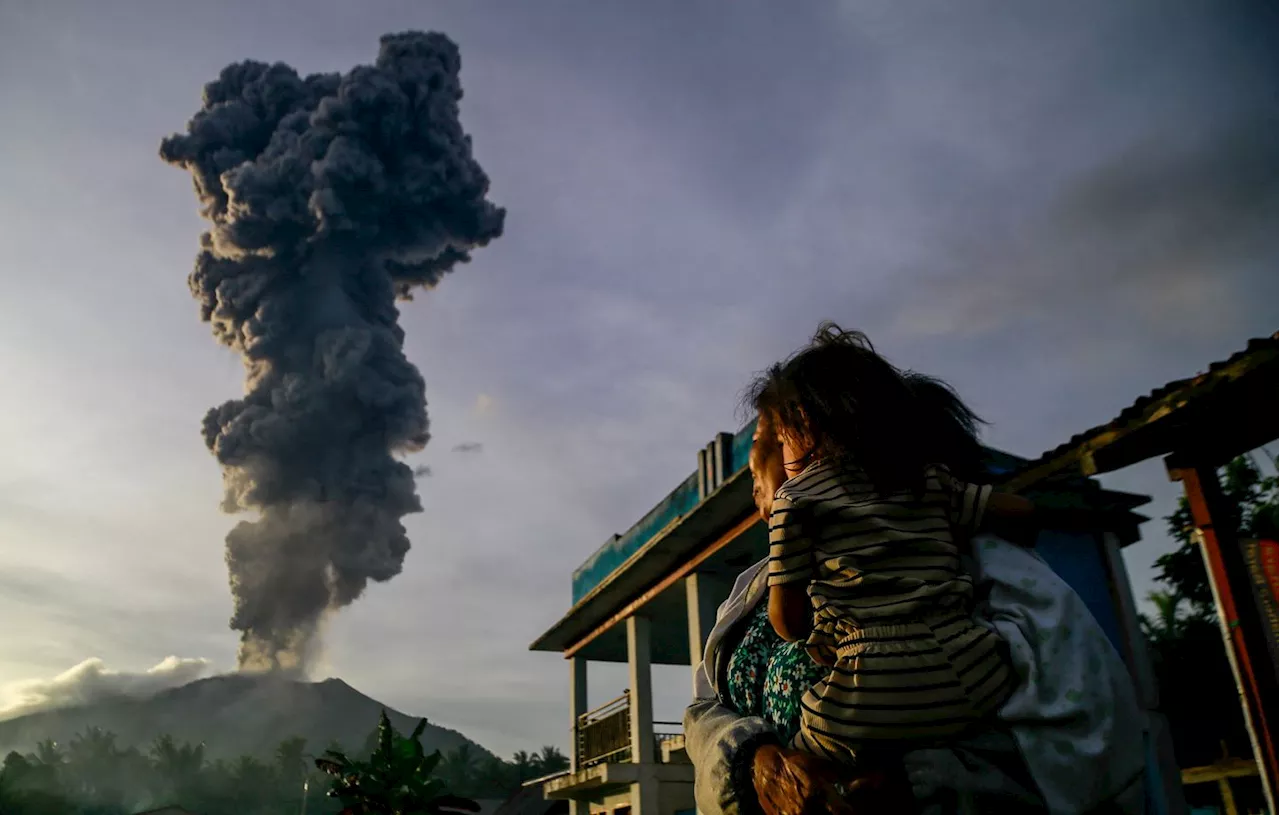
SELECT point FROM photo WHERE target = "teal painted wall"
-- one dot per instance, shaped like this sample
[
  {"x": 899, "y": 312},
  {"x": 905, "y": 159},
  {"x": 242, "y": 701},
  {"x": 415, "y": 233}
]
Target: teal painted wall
[
  {"x": 616, "y": 551},
  {"x": 678, "y": 502}
]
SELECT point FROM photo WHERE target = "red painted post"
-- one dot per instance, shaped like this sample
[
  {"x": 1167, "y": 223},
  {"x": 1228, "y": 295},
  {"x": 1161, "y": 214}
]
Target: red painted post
[{"x": 1225, "y": 566}]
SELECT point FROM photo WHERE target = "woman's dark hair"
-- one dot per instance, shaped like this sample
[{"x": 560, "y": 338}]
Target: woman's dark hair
[{"x": 842, "y": 401}]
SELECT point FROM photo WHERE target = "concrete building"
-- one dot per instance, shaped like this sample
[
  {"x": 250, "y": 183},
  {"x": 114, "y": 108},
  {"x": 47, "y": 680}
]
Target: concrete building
[{"x": 649, "y": 596}]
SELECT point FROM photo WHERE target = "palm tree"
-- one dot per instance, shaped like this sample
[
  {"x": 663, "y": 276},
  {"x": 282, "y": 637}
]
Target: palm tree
[
  {"x": 491, "y": 778},
  {"x": 524, "y": 766},
  {"x": 50, "y": 754},
  {"x": 551, "y": 760},
  {"x": 47, "y": 767},
  {"x": 178, "y": 768},
  {"x": 458, "y": 766},
  {"x": 1167, "y": 622},
  {"x": 291, "y": 757},
  {"x": 93, "y": 761},
  {"x": 293, "y": 770}
]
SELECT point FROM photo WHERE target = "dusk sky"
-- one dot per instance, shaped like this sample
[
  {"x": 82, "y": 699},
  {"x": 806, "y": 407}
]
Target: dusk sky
[{"x": 1055, "y": 207}]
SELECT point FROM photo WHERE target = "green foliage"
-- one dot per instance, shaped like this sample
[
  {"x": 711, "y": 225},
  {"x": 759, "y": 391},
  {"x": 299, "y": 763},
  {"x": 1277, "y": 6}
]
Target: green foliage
[
  {"x": 1197, "y": 689},
  {"x": 396, "y": 780},
  {"x": 94, "y": 775},
  {"x": 1251, "y": 501}
]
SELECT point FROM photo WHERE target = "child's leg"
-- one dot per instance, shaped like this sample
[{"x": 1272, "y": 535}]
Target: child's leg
[
  {"x": 895, "y": 684},
  {"x": 815, "y": 735}
]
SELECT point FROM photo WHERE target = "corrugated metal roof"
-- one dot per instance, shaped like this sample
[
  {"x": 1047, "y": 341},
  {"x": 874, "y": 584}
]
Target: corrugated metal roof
[
  {"x": 531, "y": 801},
  {"x": 1150, "y": 402}
]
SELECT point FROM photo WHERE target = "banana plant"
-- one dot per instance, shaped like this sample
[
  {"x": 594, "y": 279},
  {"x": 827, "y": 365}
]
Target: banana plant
[{"x": 396, "y": 780}]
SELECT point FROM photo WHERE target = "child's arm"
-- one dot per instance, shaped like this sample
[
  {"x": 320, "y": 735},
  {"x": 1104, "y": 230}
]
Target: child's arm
[
  {"x": 1011, "y": 517},
  {"x": 978, "y": 508},
  {"x": 1008, "y": 505},
  {"x": 790, "y": 611},
  {"x": 790, "y": 570}
]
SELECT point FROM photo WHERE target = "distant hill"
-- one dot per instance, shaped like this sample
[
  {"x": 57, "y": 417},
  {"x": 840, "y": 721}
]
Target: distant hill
[{"x": 233, "y": 715}]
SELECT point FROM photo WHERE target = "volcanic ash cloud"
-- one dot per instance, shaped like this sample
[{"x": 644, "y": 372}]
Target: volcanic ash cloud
[{"x": 329, "y": 197}]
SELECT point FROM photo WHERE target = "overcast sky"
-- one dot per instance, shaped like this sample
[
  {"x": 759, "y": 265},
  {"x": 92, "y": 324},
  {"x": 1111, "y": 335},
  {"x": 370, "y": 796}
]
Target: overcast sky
[{"x": 1054, "y": 206}]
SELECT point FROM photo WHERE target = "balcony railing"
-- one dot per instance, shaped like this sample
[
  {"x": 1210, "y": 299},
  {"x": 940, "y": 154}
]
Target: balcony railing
[
  {"x": 603, "y": 735},
  {"x": 665, "y": 732}
]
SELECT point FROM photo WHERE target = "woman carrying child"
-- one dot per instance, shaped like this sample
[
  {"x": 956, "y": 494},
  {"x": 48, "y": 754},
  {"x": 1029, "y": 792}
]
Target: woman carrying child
[
  {"x": 865, "y": 539},
  {"x": 885, "y": 533}
]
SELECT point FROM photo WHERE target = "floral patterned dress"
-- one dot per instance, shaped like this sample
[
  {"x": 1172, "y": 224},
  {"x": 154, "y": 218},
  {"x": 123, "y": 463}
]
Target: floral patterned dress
[{"x": 767, "y": 675}]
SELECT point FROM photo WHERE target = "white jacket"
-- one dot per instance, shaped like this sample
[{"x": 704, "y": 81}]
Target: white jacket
[{"x": 1073, "y": 735}]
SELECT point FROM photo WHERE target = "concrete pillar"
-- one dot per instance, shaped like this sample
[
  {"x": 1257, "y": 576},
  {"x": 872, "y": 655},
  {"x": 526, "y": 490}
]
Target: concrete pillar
[
  {"x": 576, "y": 708},
  {"x": 639, "y": 660},
  {"x": 1136, "y": 654},
  {"x": 577, "y": 704},
  {"x": 702, "y": 600},
  {"x": 723, "y": 446},
  {"x": 644, "y": 794},
  {"x": 704, "y": 485},
  {"x": 1138, "y": 658}
]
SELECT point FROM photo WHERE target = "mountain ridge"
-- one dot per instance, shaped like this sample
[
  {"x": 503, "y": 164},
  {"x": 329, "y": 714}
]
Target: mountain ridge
[{"x": 232, "y": 715}]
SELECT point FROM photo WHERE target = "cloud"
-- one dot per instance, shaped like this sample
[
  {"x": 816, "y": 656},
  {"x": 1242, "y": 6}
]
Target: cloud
[
  {"x": 92, "y": 680},
  {"x": 468, "y": 447},
  {"x": 1161, "y": 231}
]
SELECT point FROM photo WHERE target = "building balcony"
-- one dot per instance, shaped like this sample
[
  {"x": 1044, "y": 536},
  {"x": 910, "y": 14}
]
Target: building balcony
[
  {"x": 605, "y": 759},
  {"x": 603, "y": 736}
]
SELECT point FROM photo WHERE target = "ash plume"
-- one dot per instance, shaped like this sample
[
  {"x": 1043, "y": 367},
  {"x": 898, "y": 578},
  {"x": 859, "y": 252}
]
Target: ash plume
[{"x": 330, "y": 196}]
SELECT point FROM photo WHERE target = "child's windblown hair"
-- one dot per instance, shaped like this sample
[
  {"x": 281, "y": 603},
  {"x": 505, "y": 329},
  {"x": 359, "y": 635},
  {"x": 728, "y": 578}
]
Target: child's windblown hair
[{"x": 838, "y": 400}]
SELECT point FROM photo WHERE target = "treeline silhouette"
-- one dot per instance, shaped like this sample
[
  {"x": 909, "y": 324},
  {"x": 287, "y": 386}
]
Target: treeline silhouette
[{"x": 94, "y": 775}]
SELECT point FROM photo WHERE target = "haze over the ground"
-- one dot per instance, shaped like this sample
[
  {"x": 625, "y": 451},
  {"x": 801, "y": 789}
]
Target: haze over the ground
[{"x": 1056, "y": 207}]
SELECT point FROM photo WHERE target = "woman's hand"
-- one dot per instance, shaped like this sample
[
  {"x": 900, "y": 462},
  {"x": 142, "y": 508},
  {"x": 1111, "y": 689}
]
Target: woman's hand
[{"x": 790, "y": 782}]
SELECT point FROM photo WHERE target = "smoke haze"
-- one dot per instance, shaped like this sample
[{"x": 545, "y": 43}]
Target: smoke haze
[
  {"x": 330, "y": 197},
  {"x": 92, "y": 681}
]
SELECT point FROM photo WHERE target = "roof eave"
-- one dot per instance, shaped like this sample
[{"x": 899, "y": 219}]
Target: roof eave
[
  {"x": 1147, "y": 428},
  {"x": 719, "y": 511}
]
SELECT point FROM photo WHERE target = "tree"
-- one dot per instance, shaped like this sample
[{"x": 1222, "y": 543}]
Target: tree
[
  {"x": 95, "y": 769},
  {"x": 523, "y": 764},
  {"x": 458, "y": 767},
  {"x": 95, "y": 775},
  {"x": 177, "y": 768},
  {"x": 551, "y": 760},
  {"x": 1251, "y": 503},
  {"x": 291, "y": 757},
  {"x": 29, "y": 786},
  {"x": 1197, "y": 688},
  {"x": 396, "y": 780}
]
